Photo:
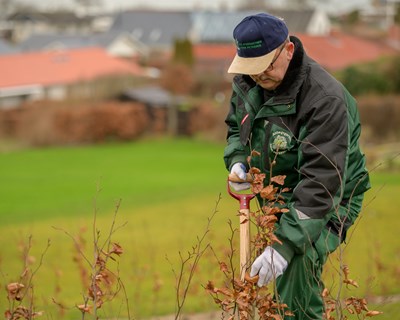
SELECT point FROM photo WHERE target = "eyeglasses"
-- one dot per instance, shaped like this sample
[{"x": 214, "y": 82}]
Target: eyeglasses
[{"x": 271, "y": 65}]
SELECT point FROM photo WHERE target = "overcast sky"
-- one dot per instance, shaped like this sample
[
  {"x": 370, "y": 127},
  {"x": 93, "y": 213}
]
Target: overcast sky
[{"x": 330, "y": 5}]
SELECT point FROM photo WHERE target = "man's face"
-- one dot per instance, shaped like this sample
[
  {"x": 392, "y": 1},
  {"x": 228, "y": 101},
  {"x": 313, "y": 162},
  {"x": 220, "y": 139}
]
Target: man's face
[{"x": 272, "y": 77}]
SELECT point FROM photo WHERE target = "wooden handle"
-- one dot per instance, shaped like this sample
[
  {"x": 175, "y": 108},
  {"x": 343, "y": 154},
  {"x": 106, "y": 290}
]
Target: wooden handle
[
  {"x": 234, "y": 178},
  {"x": 244, "y": 242}
]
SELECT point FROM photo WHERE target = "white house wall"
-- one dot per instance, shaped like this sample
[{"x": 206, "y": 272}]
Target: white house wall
[
  {"x": 320, "y": 24},
  {"x": 56, "y": 92},
  {"x": 13, "y": 96},
  {"x": 122, "y": 48}
]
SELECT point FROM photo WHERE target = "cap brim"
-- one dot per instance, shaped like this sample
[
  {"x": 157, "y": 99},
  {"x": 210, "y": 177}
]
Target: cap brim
[{"x": 251, "y": 66}]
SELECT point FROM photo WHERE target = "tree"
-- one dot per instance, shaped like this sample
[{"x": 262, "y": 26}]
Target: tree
[
  {"x": 397, "y": 14},
  {"x": 183, "y": 52}
]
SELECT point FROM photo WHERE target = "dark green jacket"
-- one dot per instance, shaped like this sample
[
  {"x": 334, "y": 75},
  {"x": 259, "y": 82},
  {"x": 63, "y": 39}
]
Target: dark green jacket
[{"x": 310, "y": 127}]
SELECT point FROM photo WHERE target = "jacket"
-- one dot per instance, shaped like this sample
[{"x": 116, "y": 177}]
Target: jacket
[{"x": 309, "y": 128}]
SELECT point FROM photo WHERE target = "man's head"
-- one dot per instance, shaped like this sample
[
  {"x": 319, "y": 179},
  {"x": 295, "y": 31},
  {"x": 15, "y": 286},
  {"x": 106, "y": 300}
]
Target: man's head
[{"x": 263, "y": 50}]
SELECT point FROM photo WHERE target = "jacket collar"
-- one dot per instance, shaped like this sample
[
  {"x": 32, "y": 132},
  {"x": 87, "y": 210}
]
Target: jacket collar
[{"x": 294, "y": 77}]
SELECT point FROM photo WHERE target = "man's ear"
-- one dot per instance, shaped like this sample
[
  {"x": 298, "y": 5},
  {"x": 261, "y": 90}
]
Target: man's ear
[{"x": 289, "y": 50}]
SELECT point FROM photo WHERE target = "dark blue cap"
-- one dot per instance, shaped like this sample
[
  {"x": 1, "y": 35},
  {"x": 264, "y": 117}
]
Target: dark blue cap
[{"x": 256, "y": 38}]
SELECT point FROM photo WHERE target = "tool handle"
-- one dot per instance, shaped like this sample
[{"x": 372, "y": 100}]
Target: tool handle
[
  {"x": 234, "y": 178},
  {"x": 244, "y": 242},
  {"x": 244, "y": 213}
]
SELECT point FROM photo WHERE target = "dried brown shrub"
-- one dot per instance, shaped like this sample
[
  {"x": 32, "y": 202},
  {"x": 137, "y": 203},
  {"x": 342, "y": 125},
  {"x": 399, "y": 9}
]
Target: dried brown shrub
[
  {"x": 380, "y": 118},
  {"x": 49, "y": 124}
]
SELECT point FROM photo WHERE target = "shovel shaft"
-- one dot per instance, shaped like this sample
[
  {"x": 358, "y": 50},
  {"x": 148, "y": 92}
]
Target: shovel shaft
[
  {"x": 244, "y": 213},
  {"x": 244, "y": 241}
]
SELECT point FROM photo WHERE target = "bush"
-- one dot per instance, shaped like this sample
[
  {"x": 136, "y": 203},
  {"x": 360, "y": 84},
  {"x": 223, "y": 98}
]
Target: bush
[
  {"x": 380, "y": 118},
  {"x": 359, "y": 81},
  {"x": 380, "y": 77},
  {"x": 46, "y": 124}
]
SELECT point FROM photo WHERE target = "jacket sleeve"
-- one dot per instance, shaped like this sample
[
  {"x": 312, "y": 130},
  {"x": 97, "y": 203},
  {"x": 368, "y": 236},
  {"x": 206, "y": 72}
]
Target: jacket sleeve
[
  {"x": 323, "y": 154},
  {"x": 234, "y": 151}
]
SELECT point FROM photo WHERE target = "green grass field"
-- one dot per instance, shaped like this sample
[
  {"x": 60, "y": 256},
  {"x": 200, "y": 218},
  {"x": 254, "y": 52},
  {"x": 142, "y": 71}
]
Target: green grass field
[{"x": 168, "y": 190}]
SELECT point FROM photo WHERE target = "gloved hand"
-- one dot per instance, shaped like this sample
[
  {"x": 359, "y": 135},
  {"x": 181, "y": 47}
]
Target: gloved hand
[
  {"x": 240, "y": 170},
  {"x": 269, "y": 265}
]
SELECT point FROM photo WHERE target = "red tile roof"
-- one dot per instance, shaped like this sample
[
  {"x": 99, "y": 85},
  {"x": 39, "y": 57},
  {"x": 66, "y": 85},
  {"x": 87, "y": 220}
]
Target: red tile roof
[
  {"x": 61, "y": 67},
  {"x": 333, "y": 52},
  {"x": 214, "y": 51},
  {"x": 339, "y": 50}
]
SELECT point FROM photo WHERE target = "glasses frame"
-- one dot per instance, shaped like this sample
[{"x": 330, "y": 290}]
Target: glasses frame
[{"x": 271, "y": 65}]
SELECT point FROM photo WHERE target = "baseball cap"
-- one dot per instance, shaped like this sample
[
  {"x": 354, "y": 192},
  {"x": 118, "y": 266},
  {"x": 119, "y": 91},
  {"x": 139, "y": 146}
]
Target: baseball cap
[{"x": 257, "y": 37}]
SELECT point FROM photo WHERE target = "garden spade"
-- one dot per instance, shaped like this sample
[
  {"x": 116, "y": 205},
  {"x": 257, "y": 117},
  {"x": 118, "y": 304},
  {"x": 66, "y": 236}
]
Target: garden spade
[{"x": 244, "y": 214}]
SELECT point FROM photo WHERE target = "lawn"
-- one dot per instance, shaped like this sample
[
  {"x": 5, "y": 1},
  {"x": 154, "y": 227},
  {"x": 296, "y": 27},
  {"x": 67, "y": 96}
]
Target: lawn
[{"x": 168, "y": 190}]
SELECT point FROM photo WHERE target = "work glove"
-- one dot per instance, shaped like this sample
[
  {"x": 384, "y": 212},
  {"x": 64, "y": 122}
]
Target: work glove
[
  {"x": 269, "y": 265},
  {"x": 240, "y": 170}
]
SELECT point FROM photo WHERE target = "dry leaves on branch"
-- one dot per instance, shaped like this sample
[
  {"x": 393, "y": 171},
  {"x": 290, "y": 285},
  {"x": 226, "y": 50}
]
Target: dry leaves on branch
[
  {"x": 347, "y": 280},
  {"x": 14, "y": 291},
  {"x": 243, "y": 296},
  {"x": 22, "y": 313},
  {"x": 356, "y": 306}
]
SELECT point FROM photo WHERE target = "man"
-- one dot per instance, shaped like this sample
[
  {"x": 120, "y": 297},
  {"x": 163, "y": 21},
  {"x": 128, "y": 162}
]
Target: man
[{"x": 305, "y": 125}]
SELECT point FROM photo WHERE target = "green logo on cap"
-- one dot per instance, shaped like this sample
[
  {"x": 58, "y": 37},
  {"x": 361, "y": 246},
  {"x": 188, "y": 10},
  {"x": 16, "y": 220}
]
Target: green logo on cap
[{"x": 249, "y": 45}]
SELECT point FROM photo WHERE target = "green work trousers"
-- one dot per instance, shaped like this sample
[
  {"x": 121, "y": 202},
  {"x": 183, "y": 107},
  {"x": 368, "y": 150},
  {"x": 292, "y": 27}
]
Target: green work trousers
[{"x": 301, "y": 286}]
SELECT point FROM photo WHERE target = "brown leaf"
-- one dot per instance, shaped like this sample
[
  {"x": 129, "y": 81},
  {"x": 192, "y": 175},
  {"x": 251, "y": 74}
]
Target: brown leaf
[
  {"x": 14, "y": 290},
  {"x": 274, "y": 239},
  {"x": 117, "y": 249},
  {"x": 279, "y": 179},
  {"x": 268, "y": 192},
  {"x": 210, "y": 286},
  {"x": 84, "y": 308},
  {"x": 256, "y": 187},
  {"x": 258, "y": 180},
  {"x": 225, "y": 291},
  {"x": 254, "y": 170},
  {"x": 373, "y": 313},
  {"x": 223, "y": 267},
  {"x": 22, "y": 312},
  {"x": 249, "y": 279},
  {"x": 268, "y": 221},
  {"x": 7, "y": 314},
  {"x": 351, "y": 282},
  {"x": 346, "y": 271}
]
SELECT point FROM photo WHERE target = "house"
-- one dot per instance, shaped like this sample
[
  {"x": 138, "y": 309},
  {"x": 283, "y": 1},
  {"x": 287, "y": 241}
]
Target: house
[
  {"x": 22, "y": 24},
  {"x": 334, "y": 52},
  {"x": 116, "y": 43},
  {"x": 218, "y": 26},
  {"x": 213, "y": 58},
  {"x": 159, "y": 29},
  {"x": 162, "y": 108},
  {"x": 379, "y": 14},
  {"x": 340, "y": 50},
  {"x": 145, "y": 32},
  {"x": 393, "y": 39},
  {"x": 6, "y": 47},
  {"x": 156, "y": 29},
  {"x": 53, "y": 74}
]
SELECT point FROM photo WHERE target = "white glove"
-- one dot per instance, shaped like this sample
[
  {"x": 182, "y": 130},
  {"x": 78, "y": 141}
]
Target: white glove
[
  {"x": 240, "y": 170},
  {"x": 269, "y": 265}
]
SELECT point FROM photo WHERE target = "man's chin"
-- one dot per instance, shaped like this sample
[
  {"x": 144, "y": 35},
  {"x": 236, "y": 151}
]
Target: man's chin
[{"x": 267, "y": 84}]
